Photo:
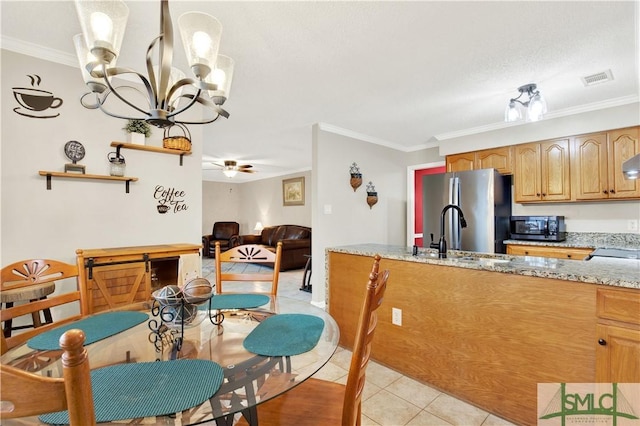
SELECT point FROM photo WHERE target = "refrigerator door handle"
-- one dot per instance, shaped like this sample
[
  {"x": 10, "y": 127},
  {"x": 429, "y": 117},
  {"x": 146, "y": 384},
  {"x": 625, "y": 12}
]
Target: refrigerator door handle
[{"x": 453, "y": 218}]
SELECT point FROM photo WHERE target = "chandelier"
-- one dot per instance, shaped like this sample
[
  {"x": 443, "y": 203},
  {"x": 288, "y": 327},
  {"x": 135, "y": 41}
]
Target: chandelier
[
  {"x": 536, "y": 105},
  {"x": 164, "y": 92}
]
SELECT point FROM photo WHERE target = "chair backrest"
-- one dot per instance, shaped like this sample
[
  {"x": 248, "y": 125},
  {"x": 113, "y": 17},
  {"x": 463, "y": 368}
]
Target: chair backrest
[
  {"x": 36, "y": 272},
  {"x": 27, "y": 394},
  {"x": 249, "y": 253},
  {"x": 225, "y": 230},
  {"x": 351, "y": 409}
]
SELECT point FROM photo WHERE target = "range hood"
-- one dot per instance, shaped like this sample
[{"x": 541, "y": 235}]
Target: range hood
[{"x": 631, "y": 167}]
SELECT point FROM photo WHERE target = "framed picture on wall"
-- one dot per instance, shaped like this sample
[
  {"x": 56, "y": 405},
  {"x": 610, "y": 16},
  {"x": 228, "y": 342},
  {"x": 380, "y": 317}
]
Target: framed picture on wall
[{"x": 293, "y": 191}]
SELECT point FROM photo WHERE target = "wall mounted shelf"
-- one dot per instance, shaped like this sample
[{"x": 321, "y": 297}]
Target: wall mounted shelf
[
  {"x": 49, "y": 175},
  {"x": 118, "y": 145}
]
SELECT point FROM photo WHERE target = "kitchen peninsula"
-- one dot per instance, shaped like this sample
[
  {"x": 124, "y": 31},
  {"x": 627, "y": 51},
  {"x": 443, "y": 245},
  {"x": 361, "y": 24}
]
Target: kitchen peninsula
[{"x": 488, "y": 328}]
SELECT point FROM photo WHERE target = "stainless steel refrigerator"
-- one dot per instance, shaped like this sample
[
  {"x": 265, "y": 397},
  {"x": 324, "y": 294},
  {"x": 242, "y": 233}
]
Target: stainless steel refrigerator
[{"x": 484, "y": 196}]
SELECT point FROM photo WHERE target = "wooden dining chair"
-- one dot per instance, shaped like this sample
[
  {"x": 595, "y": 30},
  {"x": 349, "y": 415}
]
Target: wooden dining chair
[
  {"x": 247, "y": 254},
  {"x": 24, "y": 281},
  {"x": 319, "y": 402},
  {"x": 27, "y": 394}
]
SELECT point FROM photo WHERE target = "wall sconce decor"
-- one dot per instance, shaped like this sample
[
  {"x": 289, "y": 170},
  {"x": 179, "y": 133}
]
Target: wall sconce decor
[
  {"x": 372, "y": 195},
  {"x": 356, "y": 176}
]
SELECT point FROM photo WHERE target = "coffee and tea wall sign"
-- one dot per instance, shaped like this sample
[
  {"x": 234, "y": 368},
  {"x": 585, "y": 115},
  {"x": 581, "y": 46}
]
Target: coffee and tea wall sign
[
  {"x": 35, "y": 102},
  {"x": 170, "y": 200}
]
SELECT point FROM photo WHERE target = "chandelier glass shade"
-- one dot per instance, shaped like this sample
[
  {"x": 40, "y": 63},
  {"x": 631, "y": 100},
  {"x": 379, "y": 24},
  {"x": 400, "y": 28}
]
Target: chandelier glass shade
[
  {"x": 163, "y": 92},
  {"x": 536, "y": 105}
]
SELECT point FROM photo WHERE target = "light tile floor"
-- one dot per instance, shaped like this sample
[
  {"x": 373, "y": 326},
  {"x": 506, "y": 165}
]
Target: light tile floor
[{"x": 390, "y": 398}]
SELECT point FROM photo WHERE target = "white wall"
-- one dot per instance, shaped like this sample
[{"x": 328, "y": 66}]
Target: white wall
[
  {"x": 37, "y": 223},
  {"x": 251, "y": 202},
  {"x": 351, "y": 221},
  {"x": 220, "y": 203}
]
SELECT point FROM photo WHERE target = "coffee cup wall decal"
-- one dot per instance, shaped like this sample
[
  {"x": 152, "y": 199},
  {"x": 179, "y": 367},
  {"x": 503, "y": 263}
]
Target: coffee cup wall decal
[{"x": 35, "y": 103}]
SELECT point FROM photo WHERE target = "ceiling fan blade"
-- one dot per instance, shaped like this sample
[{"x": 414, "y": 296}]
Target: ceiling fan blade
[
  {"x": 245, "y": 166},
  {"x": 246, "y": 171}
]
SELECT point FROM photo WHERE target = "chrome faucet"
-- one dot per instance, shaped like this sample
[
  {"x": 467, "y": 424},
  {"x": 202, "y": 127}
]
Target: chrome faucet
[{"x": 442, "y": 244}]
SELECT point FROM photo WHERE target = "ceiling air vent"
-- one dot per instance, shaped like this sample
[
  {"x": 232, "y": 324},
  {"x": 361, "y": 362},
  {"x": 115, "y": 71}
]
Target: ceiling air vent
[{"x": 598, "y": 78}]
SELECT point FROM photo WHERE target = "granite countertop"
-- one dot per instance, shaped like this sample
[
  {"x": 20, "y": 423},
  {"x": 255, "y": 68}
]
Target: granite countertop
[{"x": 603, "y": 272}]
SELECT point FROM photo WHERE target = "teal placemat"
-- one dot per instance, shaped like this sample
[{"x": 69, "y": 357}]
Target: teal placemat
[
  {"x": 284, "y": 335},
  {"x": 95, "y": 328},
  {"x": 236, "y": 301},
  {"x": 130, "y": 391}
]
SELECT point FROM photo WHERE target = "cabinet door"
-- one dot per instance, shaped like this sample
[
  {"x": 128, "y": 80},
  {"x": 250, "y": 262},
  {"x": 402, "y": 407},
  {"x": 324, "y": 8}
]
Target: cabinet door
[
  {"x": 617, "y": 354},
  {"x": 623, "y": 144},
  {"x": 500, "y": 159},
  {"x": 115, "y": 286},
  {"x": 527, "y": 173},
  {"x": 461, "y": 162},
  {"x": 589, "y": 160},
  {"x": 555, "y": 176}
]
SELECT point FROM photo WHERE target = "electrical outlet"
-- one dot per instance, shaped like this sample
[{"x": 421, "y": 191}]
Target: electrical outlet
[
  {"x": 396, "y": 316},
  {"x": 632, "y": 225}
]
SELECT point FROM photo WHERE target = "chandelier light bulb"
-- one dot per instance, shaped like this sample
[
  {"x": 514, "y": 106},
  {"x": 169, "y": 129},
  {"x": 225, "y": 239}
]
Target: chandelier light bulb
[
  {"x": 202, "y": 46},
  {"x": 512, "y": 114},
  {"x": 102, "y": 27},
  {"x": 537, "y": 108}
]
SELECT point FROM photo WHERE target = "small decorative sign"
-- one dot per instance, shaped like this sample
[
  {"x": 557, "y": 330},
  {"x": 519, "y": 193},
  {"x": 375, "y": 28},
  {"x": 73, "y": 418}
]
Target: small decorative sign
[
  {"x": 169, "y": 199},
  {"x": 35, "y": 102}
]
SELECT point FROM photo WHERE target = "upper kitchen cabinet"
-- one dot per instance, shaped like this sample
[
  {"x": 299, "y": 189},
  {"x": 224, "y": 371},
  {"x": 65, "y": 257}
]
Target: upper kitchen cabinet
[
  {"x": 500, "y": 159},
  {"x": 597, "y": 163},
  {"x": 461, "y": 162},
  {"x": 541, "y": 171}
]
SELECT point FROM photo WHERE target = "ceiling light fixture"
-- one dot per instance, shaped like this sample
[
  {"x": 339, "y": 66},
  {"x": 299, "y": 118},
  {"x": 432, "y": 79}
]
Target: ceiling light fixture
[
  {"x": 167, "y": 93},
  {"x": 536, "y": 105},
  {"x": 230, "y": 171}
]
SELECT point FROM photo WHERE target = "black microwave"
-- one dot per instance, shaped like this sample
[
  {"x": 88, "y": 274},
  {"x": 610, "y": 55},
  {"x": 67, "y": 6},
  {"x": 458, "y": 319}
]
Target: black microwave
[{"x": 537, "y": 228}]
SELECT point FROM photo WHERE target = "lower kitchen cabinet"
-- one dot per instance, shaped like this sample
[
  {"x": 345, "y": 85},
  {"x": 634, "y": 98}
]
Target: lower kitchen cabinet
[
  {"x": 122, "y": 276},
  {"x": 575, "y": 253},
  {"x": 618, "y": 332}
]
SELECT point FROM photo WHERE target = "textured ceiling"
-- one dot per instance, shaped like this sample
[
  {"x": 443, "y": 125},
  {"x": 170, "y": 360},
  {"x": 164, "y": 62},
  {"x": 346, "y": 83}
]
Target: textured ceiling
[{"x": 407, "y": 74}]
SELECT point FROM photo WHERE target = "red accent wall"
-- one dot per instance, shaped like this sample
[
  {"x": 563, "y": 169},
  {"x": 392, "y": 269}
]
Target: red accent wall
[{"x": 418, "y": 198}]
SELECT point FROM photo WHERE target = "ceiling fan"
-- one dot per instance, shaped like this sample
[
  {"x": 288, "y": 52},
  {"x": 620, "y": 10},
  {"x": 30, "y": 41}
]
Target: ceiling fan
[{"x": 231, "y": 167}]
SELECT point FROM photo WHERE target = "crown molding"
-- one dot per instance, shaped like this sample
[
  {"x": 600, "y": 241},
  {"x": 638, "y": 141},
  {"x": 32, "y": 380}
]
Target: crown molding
[
  {"x": 366, "y": 138},
  {"x": 37, "y": 51},
  {"x": 595, "y": 106}
]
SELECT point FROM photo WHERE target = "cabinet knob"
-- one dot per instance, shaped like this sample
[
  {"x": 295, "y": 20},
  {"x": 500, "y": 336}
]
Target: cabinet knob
[
  {"x": 569, "y": 256},
  {"x": 537, "y": 194},
  {"x": 544, "y": 195},
  {"x": 602, "y": 342},
  {"x": 526, "y": 253},
  {"x": 613, "y": 191},
  {"x": 605, "y": 191}
]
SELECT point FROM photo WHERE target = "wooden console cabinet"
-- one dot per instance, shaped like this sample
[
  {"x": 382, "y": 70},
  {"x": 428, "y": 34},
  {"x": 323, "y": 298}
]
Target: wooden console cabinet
[{"x": 121, "y": 276}]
